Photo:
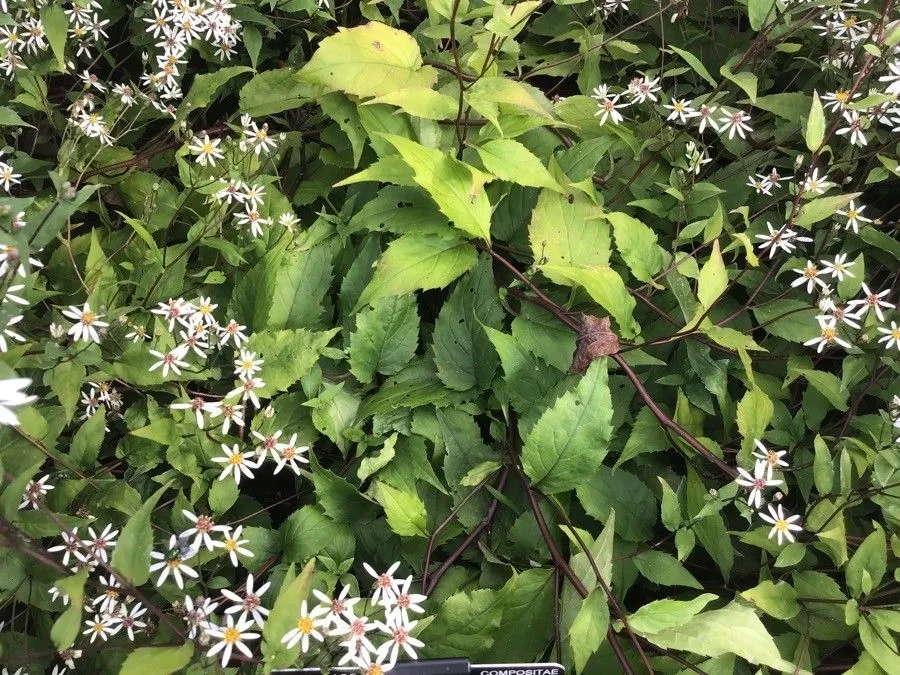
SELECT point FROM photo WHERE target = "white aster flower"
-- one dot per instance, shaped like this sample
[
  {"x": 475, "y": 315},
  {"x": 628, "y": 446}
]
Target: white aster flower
[
  {"x": 828, "y": 335},
  {"x": 236, "y": 463},
  {"x": 99, "y": 545},
  {"x": 812, "y": 183},
  {"x": 170, "y": 360},
  {"x": 171, "y": 561},
  {"x": 233, "y": 331},
  {"x": 87, "y": 323},
  {"x": 12, "y": 396},
  {"x": 199, "y": 406},
  {"x": 386, "y": 586},
  {"x": 202, "y": 530},
  {"x": 100, "y": 626},
  {"x": 248, "y": 390},
  {"x": 854, "y": 216},
  {"x": 874, "y": 301},
  {"x": 233, "y": 544},
  {"x": 130, "y": 620},
  {"x": 229, "y": 637},
  {"x": 757, "y": 482},
  {"x": 681, "y": 110},
  {"x": 735, "y": 123},
  {"x": 34, "y": 492},
  {"x": 839, "y": 267},
  {"x": 247, "y": 365},
  {"x": 854, "y": 128},
  {"x": 289, "y": 454},
  {"x": 250, "y": 604},
  {"x": 340, "y": 608},
  {"x": 783, "y": 526},
  {"x": 197, "y": 613},
  {"x": 891, "y": 336},
  {"x": 399, "y": 637},
  {"x": 207, "y": 150},
  {"x": 306, "y": 627},
  {"x": 405, "y": 602}
]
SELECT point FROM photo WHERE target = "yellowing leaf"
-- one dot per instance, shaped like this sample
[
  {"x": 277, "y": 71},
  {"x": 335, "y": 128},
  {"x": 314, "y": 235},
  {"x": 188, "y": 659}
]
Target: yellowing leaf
[
  {"x": 369, "y": 60},
  {"x": 713, "y": 278},
  {"x": 415, "y": 262},
  {"x": 606, "y": 287},
  {"x": 511, "y": 161},
  {"x": 420, "y": 102},
  {"x": 452, "y": 184}
]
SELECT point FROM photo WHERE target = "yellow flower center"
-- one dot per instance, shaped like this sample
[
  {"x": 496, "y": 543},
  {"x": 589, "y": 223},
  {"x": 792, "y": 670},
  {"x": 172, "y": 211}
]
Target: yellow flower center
[
  {"x": 207, "y": 147},
  {"x": 236, "y": 458},
  {"x": 247, "y": 365},
  {"x": 374, "y": 669},
  {"x": 174, "y": 562},
  {"x": 811, "y": 272},
  {"x": 828, "y": 333},
  {"x": 781, "y": 525},
  {"x": 231, "y": 635},
  {"x": 88, "y": 318},
  {"x": 98, "y": 627},
  {"x": 678, "y": 106},
  {"x": 842, "y": 96},
  {"x": 851, "y": 214},
  {"x": 895, "y": 333},
  {"x": 305, "y": 625},
  {"x": 231, "y": 545}
]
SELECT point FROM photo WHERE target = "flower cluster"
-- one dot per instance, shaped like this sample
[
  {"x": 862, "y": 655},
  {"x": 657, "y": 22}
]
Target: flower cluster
[{"x": 763, "y": 477}]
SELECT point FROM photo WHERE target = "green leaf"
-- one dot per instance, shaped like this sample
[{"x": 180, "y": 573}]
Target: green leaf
[
  {"x": 880, "y": 644},
  {"x": 288, "y": 354},
  {"x": 821, "y": 208},
  {"x": 385, "y": 338},
  {"x": 55, "y": 24},
  {"x": 65, "y": 381},
  {"x": 881, "y": 240},
  {"x": 414, "y": 262},
  {"x": 304, "y": 278},
  {"x": 710, "y": 529},
  {"x": 12, "y": 495},
  {"x": 527, "y": 617},
  {"x": 662, "y": 568},
  {"x": 606, "y": 287},
  {"x": 646, "y": 436},
  {"x": 754, "y": 412},
  {"x": 158, "y": 660},
  {"x": 760, "y": 12},
  {"x": 369, "y": 466},
  {"x": 661, "y": 615},
  {"x": 823, "y": 467},
  {"x": 670, "y": 507},
  {"x": 713, "y": 278},
  {"x": 815, "y": 124},
  {"x": 870, "y": 559},
  {"x": 623, "y": 493},
  {"x": 571, "y": 437},
  {"x": 284, "y": 614},
  {"x": 10, "y": 118},
  {"x": 256, "y": 97},
  {"x": 369, "y": 60},
  {"x": 464, "y": 625},
  {"x": 66, "y": 628},
  {"x": 454, "y": 186},
  {"x": 778, "y": 600},
  {"x": 86, "y": 442},
  {"x": 511, "y": 161},
  {"x": 572, "y": 233},
  {"x": 694, "y": 63},
  {"x": 340, "y": 500},
  {"x": 463, "y": 353},
  {"x": 734, "y": 629},
  {"x": 222, "y": 495},
  {"x": 826, "y": 384},
  {"x": 589, "y": 627},
  {"x": 205, "y": 88},
  {"x": 636, "y": 243},
  {"x": 746, "y": 81},
  {"x": 405, "y": 511},
  {"x": 131, "y": 557},
  {"x": 308, "y": 532}
]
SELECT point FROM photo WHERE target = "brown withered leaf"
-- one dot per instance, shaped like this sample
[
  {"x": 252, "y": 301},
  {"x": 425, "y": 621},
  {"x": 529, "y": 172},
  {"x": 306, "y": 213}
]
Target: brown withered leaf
[{"x": 595, "y": 339}]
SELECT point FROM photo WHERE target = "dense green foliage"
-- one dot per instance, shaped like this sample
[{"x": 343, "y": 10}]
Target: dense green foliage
[{"x": 481, "y": 288}]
